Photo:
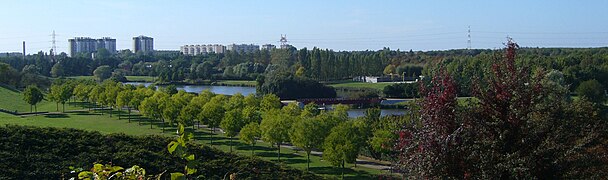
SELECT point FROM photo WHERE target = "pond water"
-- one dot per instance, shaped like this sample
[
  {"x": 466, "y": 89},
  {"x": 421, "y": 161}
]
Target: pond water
[
  {"x": 227, "y": 90},
  {"x": 231, "y": 90},
  {"x": 354, "y": 113}
]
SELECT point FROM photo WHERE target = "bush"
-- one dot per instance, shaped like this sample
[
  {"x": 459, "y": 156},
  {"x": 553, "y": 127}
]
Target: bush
[{"x": 47, "y": 153}]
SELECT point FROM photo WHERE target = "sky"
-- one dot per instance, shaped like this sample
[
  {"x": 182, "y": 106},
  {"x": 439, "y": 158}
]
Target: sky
[{"x": 341, "y": 25}]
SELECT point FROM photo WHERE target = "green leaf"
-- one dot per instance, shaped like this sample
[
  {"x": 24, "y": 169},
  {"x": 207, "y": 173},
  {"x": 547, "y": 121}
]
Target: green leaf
[
  {"x": 189, "y": 136},
  {"x": 189, "y": 157},
  {"x": 172, "y": 146},
  {"x": 190, "y": 170},
  {"x": 178, "y": 176},
  {"x": 117, "y": 168},
  {"x": 85, "y": 175},
  {"x": 180, "y": 129}
]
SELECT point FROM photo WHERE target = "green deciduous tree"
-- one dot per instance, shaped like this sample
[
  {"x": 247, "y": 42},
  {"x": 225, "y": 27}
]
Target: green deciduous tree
[
  {"x": 32, "y": 96},
  {"x": 275, "y": 128},
  {"x": 232, "y": 124},
  {"x": 102, "y": 72},
  {"x": 307, "y": 134},
  {"x": 343, "y": 144},
  {"x": 592, "y": 90},
  {"x": 250, "y": 133},
  {"x": 270, "y": 101}
]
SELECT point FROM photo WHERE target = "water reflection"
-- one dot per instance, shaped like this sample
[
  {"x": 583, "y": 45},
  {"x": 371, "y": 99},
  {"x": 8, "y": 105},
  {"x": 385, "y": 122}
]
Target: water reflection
[{"x": 227, "y": 90}]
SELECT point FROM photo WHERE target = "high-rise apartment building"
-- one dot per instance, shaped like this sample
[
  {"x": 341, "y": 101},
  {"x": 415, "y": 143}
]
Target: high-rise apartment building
[
  {"x": 143, "y": 44},
  {"x": 268, "y": 47},
  {"x": 194, "y": 50},
  {"x": 242, "y": 47},
  {"x": 89, "y": 45}
]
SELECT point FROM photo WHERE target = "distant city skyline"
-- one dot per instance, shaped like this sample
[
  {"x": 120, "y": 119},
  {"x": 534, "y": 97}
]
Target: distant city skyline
[{"x": 339, "y": 25}]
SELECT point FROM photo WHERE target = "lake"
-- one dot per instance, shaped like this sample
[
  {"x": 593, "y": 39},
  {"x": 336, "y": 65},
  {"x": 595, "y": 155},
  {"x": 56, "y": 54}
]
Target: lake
[
  {"x": 227, "y": 90},
  {"x": 231, "y": 90}
]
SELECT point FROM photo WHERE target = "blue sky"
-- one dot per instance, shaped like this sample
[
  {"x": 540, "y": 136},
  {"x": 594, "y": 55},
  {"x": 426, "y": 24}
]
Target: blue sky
[{"x": 338, "y": 25}]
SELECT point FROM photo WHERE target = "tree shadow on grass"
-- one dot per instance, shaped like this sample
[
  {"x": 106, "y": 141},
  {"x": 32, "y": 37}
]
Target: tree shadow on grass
[
  {"x": 255, "y": 148},
  {"x": 56, "y": 116},
  {"x": 337, "y": 171},
  {"x": 235, "y": 143},
  {"x": 274, "y": 154},
  {"x": 85, "y": 114}
]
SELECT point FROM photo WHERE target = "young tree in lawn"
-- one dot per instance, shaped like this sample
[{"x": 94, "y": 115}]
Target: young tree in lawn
[
  {"x": 232, "y": 124},
  {"x": 213, "y": 112},
  {"x": 189, "y": 114},
  {"x": 307, "y": 134},
  {"x": 82, "y": 91},
  {"x": 124, "y": 99},
  {"x": 55, "y": 95},
  {"x": 139, "y": 95},
  {"x": 32, "y": 95},
  {"x": 151, "y": 106},
  {"x": 342, "y": 144},
  {"x": 250, "y": 133},
  {"x": 111, "y": 92},
  {"x": 275, "y": 128}
]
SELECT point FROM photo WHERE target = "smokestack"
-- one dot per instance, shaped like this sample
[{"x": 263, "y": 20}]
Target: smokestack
[{"x": 23, "y": 50}]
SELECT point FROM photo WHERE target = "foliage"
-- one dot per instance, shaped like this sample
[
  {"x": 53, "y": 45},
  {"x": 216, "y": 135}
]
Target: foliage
[
  {"x": 307, "y": 134},
  {"x": 288, "y": 87},
  {"x": 519, "y": 126},
  {"x": 401, "y": 90},
  {"x": 275, "y": 128},
  {"x": 102, "y": 73},
  {"x": 342, "y": 145},
  {"x": 250, "y": 133},
  {"x": 25, "y": 152},
  {"x": 592, "y": 90},
  {"x": 179, "y": 148},
  {"x": 32, "y": 95}
]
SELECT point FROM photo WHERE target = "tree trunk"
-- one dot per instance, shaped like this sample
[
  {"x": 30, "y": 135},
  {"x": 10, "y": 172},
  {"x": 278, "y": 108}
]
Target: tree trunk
[
  {"x": 252, "y": 145},
  {"x": 110, "y": 111},
  {"x": 30, "y": 108},
  {"x": 212, "y": 132},
  {"x": 63, "y": 106},
  {"x": 129, "y": 117},
  {"x": 230, "y": 143},
  {"x": 342, "y": 169},
  {"x": 308, "y": 160},
  {"x": 150, "y": 123},
  {"x": 35, "y": 108},
  {"x": 57, "y": 103},
  {"x": 279, "y": 152}
]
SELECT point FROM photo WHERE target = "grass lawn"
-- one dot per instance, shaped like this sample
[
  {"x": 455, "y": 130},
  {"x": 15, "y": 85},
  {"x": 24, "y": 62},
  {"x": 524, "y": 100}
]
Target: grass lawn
[
  {"x": 95, "y": 121},
  {"x": 13, "y": 100},
  {"x": 141, "y": 78},
  {"x": 379, "y": 86},
  {"x": 236, "y": 83}
]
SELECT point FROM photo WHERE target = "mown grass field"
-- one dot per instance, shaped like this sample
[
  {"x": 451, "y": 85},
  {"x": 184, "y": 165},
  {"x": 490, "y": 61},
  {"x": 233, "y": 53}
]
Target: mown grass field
[
  {"x": 13, "y": 100},
  {"x": 141, "y": 78},
  {"x": 102, "y": 122}
]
